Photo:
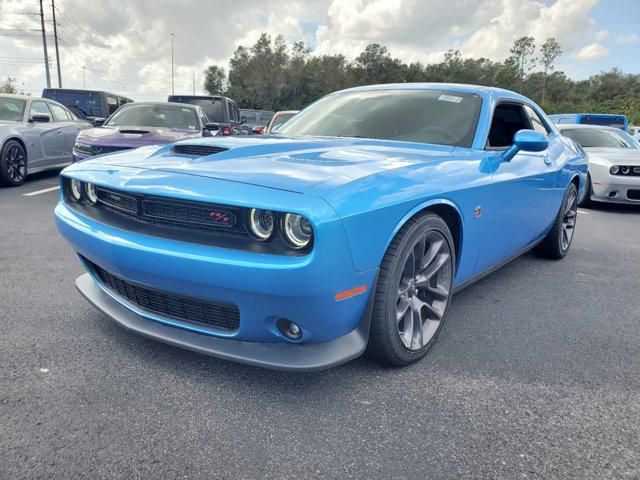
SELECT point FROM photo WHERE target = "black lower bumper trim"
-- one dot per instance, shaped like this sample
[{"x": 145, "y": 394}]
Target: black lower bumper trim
[{"x": 277, "y": 356}]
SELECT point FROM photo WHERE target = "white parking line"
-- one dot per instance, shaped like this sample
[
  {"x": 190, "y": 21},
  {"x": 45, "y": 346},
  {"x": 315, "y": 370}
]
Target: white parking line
[
  {"x": 38, "y": 192},
  {"x": 582, "y": 211}
]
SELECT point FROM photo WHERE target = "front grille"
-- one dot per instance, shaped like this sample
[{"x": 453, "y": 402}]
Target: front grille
[
  {"x": 100, "y": 149},
  {"x": 633, "y": 194},
  {"x": 205, "y": 217},
  {"x": 221, "y": 316},
  {"x": 198, "y": 150}
]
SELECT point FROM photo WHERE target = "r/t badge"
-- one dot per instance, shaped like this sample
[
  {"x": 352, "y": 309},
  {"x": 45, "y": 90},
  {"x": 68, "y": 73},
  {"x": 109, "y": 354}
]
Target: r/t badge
[{"x": 477, "y": 213}]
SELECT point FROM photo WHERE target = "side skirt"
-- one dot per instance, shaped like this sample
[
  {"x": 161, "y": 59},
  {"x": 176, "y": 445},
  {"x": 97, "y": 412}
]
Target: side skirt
[{"x": 495, "y": 267}]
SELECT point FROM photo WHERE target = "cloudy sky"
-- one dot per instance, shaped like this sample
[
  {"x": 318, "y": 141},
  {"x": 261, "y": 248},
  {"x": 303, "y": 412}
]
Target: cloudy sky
[{"x": 124, "y": 46}]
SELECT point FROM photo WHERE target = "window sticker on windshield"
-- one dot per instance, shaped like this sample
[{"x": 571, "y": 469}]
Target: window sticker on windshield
[{"x": 450, "y": 98}]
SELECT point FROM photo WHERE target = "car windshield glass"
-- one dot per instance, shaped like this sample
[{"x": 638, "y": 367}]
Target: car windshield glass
[
  {"x": 424, "y": 116},
  {"x": 213, "y": 107},
  {"x": 11, "y": 109},
  {"x": 282, "y": 118},
  {"x": 591, "y": 137},
  {"x": 249, "y": 117},
  {"x": 83, "y": 103},
  {"x": 168, "y": 116}
]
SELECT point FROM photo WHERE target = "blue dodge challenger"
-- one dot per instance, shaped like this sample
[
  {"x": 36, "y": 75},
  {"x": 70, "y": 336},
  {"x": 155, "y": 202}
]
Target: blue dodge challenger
[{"x": 348, "y": 230}]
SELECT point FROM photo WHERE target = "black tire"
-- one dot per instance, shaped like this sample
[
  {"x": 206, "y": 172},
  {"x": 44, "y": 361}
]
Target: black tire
[
  {"x": 13, "y": 164},
  {"x": 586, "y": 198},
  {"x": 426, "y": 296},
  {"x": 558, "y": 241}
]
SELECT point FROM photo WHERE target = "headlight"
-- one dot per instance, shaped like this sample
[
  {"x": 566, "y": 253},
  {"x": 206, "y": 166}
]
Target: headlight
[
  {"x": 262, "y": 223},
  {"x": 90, "y": 192},
  {"x": 297, "y": 230},
  {"x": 625, "y": 170},
  {"x": 614, "y": 170},
  {"x": 82, "y": 148},
  {"x": 75, "y": 190}
]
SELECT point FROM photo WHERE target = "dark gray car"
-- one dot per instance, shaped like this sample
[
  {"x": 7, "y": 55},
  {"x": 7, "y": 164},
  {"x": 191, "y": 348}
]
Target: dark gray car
[{"x": 35, "y": 134}]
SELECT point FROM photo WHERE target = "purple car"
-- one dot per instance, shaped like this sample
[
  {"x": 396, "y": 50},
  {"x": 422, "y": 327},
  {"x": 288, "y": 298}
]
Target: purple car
[{"x": 143, "y": 123}]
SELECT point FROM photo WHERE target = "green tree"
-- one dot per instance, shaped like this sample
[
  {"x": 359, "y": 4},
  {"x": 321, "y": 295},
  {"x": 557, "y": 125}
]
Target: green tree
[
  {"x": 522, "y": 53},
  {"x": 549, "y": 52},
  {"x": 9, "y": 86},
  {"x": 214, "y": 80}
]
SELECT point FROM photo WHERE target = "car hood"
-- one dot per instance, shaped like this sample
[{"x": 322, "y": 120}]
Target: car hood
[
  {"x": 614, "y": 156},
  {"x": 134, "y": 136},
  {"x": 295, "y": 164}
]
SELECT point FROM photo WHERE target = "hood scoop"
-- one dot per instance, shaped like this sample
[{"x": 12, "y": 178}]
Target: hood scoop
[
  {"x": 133, "y": 132},
  {"x": 197, "y": 150}
]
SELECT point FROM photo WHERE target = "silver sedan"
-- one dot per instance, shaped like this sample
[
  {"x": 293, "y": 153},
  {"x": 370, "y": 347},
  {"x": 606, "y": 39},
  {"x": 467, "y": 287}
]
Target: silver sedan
[
  {"x": 614, "y": 163},
  {"x": 35, "y": 134}
]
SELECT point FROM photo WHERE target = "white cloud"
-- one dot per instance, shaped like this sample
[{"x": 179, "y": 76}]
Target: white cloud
[
  {"x": 627, "y": 38},
  {"x": 601, "y": 35},
  {"x": 591, "y": 52}
]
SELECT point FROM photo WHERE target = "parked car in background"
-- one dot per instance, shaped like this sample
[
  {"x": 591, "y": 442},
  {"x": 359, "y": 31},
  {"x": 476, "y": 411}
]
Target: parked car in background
[
  {"x": 143, "y": 123},
  {"x": 634, "y": 131},
  {"x": 279, "y": 119},
  {"x": 617, "y": 121},
  {"x": 354, "y": 225},
  {"x": 254, "y": 118},
  {"x": 614, "y": 163},
  {"x": 87, "y": 104},
  {"x": 35, "y": 134},
  {"x": 221, "y": 110}
]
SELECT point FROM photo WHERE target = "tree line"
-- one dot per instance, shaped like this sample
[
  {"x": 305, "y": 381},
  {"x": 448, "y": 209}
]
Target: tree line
[{"x": 275, "y": 76}]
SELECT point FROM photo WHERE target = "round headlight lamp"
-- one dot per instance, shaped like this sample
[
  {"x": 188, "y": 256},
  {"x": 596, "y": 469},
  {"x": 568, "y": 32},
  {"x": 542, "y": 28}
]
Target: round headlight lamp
[
  {"x": 297, "y": 230},
  {"x": 75, "y": 190},
  {"x": 614, "y": 170},
  {"x": 626, "y": 170},
  {"x": 262, "y": 223},
  {"x": 90, "y": 192}
]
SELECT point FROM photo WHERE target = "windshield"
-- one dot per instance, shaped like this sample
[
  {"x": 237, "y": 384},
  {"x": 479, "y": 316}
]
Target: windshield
[
  {"x": 423, "y": 116},
  {"x": 591, "y": 137},
  {"x": 85, "y": 104},
  {"x": 213, "y": 107},
  {"x": 12, "y": 109},
  {"x": 167, "y": 116},
  {"x": 280, "y": 119}
]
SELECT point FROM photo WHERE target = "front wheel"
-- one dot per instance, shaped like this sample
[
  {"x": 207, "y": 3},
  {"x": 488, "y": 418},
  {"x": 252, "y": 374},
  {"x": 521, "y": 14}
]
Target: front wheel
[
  {"x": 13, "y": 164},
  {"x": 413, "y": 291},
  {"x": 557, "y": 242}
]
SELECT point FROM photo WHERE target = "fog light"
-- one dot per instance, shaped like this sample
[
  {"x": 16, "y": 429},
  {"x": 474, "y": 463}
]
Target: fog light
[{"x": 289, "y": 329}]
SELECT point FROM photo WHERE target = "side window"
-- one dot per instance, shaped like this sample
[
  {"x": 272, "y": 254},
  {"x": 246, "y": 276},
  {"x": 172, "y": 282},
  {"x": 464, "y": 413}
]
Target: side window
[
  {"x": 112, "y": 103},
  {"x": 39, "y": 108},
  {"x": 236, "y": 113},
  {"x": 536, "y": 121},
  {"x": 59, "y": 113},
  {"x": 508, "y": 118}
]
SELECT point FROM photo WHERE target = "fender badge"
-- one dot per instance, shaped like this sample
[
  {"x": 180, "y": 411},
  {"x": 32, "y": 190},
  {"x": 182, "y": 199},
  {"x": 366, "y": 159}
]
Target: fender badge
[{"x": 477, "y": 213}]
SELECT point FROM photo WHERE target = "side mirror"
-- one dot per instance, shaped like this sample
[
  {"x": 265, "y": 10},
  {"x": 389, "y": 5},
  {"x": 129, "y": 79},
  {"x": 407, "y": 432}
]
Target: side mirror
[
  {"x": 98, "y": 121},
  {"x": 39, "y": 118},
  {"x": 527, "y": 141},
  {"x": 257, "y": 129}
]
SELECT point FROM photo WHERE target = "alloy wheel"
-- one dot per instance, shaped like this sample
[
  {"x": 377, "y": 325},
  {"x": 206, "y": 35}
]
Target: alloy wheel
[
  {"x": 424, "y": 290},
  {"x": 569, "y": 220},
  {"x": 16, "y": 163}
]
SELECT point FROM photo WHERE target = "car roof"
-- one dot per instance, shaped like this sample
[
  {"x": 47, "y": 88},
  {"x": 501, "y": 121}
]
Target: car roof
[
  {"x": 451, "y": 87},
  {"x": 53, "y": 89},
  {"x": 20, "y": 97},
  {"x": 172, "y": 104}
]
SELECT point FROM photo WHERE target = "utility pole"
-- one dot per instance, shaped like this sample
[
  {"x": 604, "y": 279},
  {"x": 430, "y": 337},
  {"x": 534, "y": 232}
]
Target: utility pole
[
  {"x": 55, "y": 36},
  {"x": 44, "y": 45},
  {"x": 194, "y": 82},
  {"x": 172, "y": 36},
  {"x": 84, "y": 80}
]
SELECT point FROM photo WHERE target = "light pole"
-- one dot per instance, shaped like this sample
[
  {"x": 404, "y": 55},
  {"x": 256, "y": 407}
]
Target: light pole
[
  {"x": 172, "y": 36},
  {"x": 44, "y": 46}
]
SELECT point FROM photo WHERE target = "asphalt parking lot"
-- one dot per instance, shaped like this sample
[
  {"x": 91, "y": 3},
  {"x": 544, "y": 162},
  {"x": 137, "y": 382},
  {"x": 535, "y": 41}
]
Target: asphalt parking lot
[{"x": 536, "y": 375}]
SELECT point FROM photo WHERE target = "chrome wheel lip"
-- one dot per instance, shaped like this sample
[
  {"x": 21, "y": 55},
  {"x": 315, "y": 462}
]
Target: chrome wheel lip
[
  {"x": 16, "y": 161},
  {"x": 424, "y": 290},
  {"x": 569, "y": 216}
]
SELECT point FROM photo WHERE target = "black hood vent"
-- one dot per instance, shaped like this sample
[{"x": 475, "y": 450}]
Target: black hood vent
[{"x": 198, "y": 150}]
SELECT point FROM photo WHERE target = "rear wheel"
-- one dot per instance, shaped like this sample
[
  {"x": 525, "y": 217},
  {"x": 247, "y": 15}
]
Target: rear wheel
[
  {"x": 557, "y": 242},
  {"x": 13, "y": 164},
  {"x": 413, "y": 291}
]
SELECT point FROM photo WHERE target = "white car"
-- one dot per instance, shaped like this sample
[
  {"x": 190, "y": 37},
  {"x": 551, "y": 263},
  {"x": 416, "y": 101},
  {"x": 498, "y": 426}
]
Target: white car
[{"x": 614, "y": 163}]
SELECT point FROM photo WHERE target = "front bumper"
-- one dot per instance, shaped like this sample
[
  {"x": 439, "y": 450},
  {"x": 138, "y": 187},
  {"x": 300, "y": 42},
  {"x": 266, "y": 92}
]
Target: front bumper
[
  {"x": 613, "y": 188},
  {"x": 278, "y": 356}
]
